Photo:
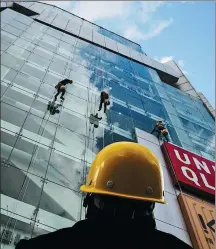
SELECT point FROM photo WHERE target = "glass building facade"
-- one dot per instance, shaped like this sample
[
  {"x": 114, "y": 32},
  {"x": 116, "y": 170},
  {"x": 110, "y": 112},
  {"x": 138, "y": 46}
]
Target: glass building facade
[{"x": 44, "y": 157}]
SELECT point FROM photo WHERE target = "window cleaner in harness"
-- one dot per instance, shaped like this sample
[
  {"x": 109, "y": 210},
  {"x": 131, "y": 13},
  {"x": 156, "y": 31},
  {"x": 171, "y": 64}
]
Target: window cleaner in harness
[
  {"x": 60, "y": 87},
  {"x": 161, "y": 130}
]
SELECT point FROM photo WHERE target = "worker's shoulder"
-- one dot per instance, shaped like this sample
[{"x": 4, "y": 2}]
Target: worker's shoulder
[{"x": 171, "y": 240}]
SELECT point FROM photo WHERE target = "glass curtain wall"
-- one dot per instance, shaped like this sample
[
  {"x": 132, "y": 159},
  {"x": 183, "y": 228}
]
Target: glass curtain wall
[{"x": 45, "y": 157}]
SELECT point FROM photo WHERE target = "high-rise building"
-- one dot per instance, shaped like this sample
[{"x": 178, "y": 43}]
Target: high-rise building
[{"x": 45, "y": 157}]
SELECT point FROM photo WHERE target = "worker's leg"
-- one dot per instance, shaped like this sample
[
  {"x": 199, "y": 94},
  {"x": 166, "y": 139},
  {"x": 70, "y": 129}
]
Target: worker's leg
[
  {"x": 63, "y": 93},
  {"x": 166, "y": 137},
  {"x": 105, "y": 107},
  {"x": 100, "y": 106},
  {"x": 58, "y": 91}
]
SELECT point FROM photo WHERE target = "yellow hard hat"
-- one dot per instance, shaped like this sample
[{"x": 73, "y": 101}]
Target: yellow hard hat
[{"x": 128, "y": 170}]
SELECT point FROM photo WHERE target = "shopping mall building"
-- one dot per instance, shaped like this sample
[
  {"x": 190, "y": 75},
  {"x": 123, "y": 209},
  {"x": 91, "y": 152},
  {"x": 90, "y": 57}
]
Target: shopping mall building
[{"x": 45, "y": 157}]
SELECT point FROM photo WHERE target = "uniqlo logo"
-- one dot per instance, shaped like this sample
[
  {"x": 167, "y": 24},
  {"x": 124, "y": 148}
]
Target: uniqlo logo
[{"x": 192, "y": 170}]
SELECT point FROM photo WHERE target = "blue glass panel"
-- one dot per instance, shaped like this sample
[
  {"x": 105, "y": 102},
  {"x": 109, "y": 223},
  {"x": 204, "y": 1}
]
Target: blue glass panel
[
  {"x": 173, "y": 136},
  {"x": 155, "y": 108},
  {"x": 121, "y": 121},
  {"x": 97, "y": 82},
  {"x": 111, "y": 57},
  {"x": 108, "y": 137},
  {"x": 154, "y": 76},
  {"x": 117, "y": 91},
  {"x": 135, "y": 101},
  {"x": 147, "y": 88},
  {"x": 197, "y": 129},
  {"x": 191, "y": 148},
  {"x": 124, "y": 63},
  {"x": 121, "y": 109},
  {"x": 118, "y": 138},
  {"x": 141, "y": 70},
  {"x": 89, "y": 48}
]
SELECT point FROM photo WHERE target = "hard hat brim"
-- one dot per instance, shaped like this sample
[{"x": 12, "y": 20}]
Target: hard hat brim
[{"x": 88, "y": 189}]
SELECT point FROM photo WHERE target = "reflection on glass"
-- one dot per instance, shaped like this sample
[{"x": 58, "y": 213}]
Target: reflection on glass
[
  {"x": 33, "y": 70},
  {"x": 60, "y": 201},
  {"x": 75, "y": 104},
  {"x": 65, "y": 170},
  {"x": 46, "y": 91},
  {"x": 19, "y": 98},
  {"x": 73, "y": 121},
  {"x": 13, "y": 230},
  {"x": 27, "y": 82},
  {"x": 8, "y": 140},
  {"x": 69, "y": 142},
  {"x": 25, "y": 187},
  {"x": 11, "y": 61}
]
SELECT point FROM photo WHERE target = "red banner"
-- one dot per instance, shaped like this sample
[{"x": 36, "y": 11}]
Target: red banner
[{"x": 192, "y": 170}]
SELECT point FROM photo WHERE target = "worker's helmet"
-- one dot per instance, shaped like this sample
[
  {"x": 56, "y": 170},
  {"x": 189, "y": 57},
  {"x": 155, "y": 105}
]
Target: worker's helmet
[{"x": 127, "y": 170}]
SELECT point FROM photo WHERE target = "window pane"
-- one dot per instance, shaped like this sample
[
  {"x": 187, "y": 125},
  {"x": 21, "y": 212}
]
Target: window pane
[
  {"x": 19, "y": 52},
  {"x": 8, "y": 140},
  {"x": 8, "y": 37},
  {"x": 51, "y": 78},
  {"x": 27, "y": 82},
  {"x": 39, "y": 162},
  {"x": 25, "y": 187},
  {"x": 11, "y": 61},
  {"x": 78, "y": 90},
  {"x": 7, "y": 74},
  {"x": 65, "y": 170},
  {"x": 39, "y": 107},
  {"x": 46, "y": 91},
  {"x": 19, "y": 230},
  {"x": 75, "y": 104},
  {"x": 57, "y": 68},
  {"x": 12, "y": 30},
  {"x": 33, "y": 70},
  {"x": 121, "y": 121},
  {"x": 16, "y": 97},
  {"x": 39, "y": 60},
  {"x": 69, "y": 143},
  {"x": 32, "y": 124},
  {"x": 134, "y": 102},
  {"x": 121, "y": 109},
  {"x": 43, "y": 52},
  {"x": 4, "y": 45},
  {"x": 12, "y": 115},
  {"x": 73, "y": 121},
  {"x": 18, "y": 25},
  {"x": 23, "y": 43},
  {"x": 60, "y": 201}
]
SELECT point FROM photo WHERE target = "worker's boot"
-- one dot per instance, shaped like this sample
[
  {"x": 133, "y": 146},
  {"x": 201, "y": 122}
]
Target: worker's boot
[{"x": 96, "y": 116}]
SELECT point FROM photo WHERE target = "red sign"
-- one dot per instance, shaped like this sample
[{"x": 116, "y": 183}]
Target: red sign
[{"x": 191, "y": 170}]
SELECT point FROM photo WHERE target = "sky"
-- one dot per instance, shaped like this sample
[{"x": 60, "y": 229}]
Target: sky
[{"x": 183, "y": 31}]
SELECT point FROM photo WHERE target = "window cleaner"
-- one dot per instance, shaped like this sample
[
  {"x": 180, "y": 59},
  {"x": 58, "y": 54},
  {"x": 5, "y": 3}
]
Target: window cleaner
[
  {"x": 61, "y": 88},
  {"x": 104, "y": 99},
  {"x": 160, "y": 129},
  {"x": 124, "y": 183}
]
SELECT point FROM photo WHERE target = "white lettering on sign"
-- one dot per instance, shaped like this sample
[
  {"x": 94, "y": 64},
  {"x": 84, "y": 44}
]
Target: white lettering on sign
[
  {"x": 186, "y": 160},
  {"x": 213, "y": 167},
  {"x": 201, "y": 165},
  {"x": 205, "y": 182},
  {"x": 193, "y": 178}
]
